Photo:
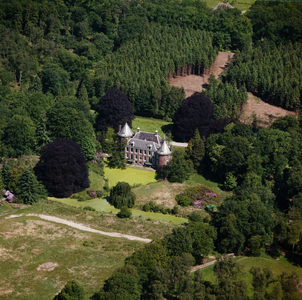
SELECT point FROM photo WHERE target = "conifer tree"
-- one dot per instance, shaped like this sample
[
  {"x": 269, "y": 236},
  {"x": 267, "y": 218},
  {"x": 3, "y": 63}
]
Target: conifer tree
[
  {"x": 5, "y": 174},
  {"x": 82, "y": 93},
  {"x": 29, "y": 187},
  {"x": 198, "y": 150}
]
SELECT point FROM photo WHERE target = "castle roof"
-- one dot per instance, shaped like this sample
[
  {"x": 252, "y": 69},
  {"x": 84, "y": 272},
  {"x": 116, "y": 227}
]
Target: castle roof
[
  {"x": 164, "y": 149},
  {"x": 145, "y": 140},
  {"x": 125, "y": 131}
]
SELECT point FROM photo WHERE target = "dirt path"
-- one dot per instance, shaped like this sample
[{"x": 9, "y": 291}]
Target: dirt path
[
  {"x": 82, "y": 227},
  {"x": 262, "y": 110},
  {"x": 193, "y": 83},
  {"x": 176, "y": 144},
  {"x": 210, "y": 263}
]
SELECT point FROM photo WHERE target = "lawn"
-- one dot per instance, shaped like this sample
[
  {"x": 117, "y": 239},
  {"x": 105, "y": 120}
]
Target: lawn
[
  {"x": 132, "y": 176},
  {"x": 276, "y": 266},
  {"x": 27, "y": 242},
  {"x": 150, "y": 125}
]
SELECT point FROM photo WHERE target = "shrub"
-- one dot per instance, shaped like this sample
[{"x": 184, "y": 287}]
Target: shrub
[
  {"x": 195, "y": 217},
  {"x": 163, "y": 210},
  {"x": 183, "y": 200},
  {"x": 124, "y": 213},
  {"x": 175, "y": 210},
  {"x": 81, "y": 198},
  {"x": 89, "y": 208},
  {"x": 99, "y": 193},
  {"x": 146, "y": 207},
  {"x": 92, "y": 193}
]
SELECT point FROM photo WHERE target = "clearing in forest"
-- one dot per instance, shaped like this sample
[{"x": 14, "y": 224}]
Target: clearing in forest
[
  {"x": 253, "y": 107},
  {"x": 193, "y": 83},
  {"x": 263, "y": 111}
]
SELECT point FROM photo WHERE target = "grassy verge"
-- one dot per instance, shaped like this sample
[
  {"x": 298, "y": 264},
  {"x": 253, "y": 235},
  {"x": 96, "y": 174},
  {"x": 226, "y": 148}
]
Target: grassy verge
[
  {"x": 150, "y": 125},
  {"x": 276, "y": 266},
  {"x": 102, "y": 205},
  {"x": 106, "y": 221},
  {"x": 27, "y": 242}
]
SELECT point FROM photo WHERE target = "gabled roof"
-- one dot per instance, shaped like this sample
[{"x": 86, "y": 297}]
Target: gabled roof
[
  {"x": 164, "y": 149},
  {"x": 145, "y": 141},
  {"x": 125, "y": 131}
]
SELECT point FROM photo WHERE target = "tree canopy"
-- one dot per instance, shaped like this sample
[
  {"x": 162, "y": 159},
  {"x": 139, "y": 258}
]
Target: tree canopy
[{"x": 62, "y": 168}]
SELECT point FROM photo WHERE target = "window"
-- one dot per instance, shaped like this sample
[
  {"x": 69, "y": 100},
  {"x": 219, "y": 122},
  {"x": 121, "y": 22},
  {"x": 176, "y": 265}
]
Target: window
[
  {"x": 145, "y": 152},
  {"x": 150, "y": 153},
  {"x": 144, "y": 158},
  {"x": 140, "y": 151},
  {"x": 126, "y": 155},
  {"x": 127, "y": 149},
  {"x": 140, "y": 162},
  {"x": 135, "y": 150},
  {"x": 131, "y": 156},
  {"x": 135, "y": 156},
  {"x": 140, "y": 158}
]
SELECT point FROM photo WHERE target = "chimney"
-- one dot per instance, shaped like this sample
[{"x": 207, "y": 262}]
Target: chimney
[
  {"x": 156, "y": 132},
  {"x": 138, "y": 129},
  {"x": 119, "y": 128}
]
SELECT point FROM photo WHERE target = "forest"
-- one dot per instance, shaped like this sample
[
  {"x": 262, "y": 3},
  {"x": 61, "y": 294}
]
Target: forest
[{"x": 70, "y": 71}]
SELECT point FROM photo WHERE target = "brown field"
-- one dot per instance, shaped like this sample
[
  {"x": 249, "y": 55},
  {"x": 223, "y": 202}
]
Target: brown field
[
  {"x": 265, "y": 112},
  {"x": 254, "y": 106}
]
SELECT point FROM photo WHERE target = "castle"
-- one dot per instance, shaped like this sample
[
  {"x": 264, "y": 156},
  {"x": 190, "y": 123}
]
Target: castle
[{"x": 144, "y": 148}]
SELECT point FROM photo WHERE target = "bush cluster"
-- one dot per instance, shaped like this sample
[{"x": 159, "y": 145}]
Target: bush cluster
[
  {"x": 152, "y": 206},
  {"x": 197, "y": 196}
]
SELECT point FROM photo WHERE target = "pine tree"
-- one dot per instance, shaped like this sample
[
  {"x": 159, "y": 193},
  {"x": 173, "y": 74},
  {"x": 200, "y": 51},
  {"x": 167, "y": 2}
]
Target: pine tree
[
  {"x": 198, "y": 150},
  {"x": 29, "y": 187},
  {"x": 82, "y": 93},
  {"x": 5, "y": 174}
]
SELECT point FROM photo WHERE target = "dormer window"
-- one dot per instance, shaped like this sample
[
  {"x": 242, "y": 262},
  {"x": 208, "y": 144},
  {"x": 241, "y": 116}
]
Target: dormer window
[
  {"x": 149, "y": 147},
  {"x": 132, "y": 144}
]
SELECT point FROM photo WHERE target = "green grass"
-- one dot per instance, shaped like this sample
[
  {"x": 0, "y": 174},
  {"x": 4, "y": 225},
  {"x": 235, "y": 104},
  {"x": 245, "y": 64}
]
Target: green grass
[
  {"x": 150, "y": 125},
  {"x": 27, "y": 242},
  {"x": 276, "y": 266},
  {"x": 129, "y": 175},
  {"x": 199, "y": 179}
]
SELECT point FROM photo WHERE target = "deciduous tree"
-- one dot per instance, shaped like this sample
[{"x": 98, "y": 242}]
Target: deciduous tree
[{"x": 62, "y": 168}]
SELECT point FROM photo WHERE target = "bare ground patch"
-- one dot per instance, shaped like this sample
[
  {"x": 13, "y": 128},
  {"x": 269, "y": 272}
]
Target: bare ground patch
[
  {"x": 193, "y": 83},
  {"x": 265, "y": 112}
]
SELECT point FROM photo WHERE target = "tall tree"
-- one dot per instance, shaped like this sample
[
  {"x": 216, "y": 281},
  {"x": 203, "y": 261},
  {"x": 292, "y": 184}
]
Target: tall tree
[
  {"x": 62, "y": 168},
  {"x": 114, "y": 110}
]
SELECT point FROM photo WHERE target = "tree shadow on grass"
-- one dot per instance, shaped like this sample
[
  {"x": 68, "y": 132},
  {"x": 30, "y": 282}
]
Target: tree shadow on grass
[{"x": 167, "y": 128}]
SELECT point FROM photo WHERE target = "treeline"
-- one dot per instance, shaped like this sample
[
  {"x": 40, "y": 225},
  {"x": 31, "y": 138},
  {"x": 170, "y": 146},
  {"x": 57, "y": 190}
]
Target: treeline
[{"x": 273, "y": 73}]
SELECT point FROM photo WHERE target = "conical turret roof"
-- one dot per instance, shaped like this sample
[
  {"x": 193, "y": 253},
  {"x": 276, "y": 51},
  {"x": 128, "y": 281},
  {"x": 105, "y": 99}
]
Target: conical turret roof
[
  {"x": 125, "y": 131},
  {"x": 164, "y": 148}
]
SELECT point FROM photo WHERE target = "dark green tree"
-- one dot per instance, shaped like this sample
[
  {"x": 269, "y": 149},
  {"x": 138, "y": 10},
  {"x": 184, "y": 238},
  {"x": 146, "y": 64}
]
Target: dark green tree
[
  {"x": 29, "y": 187},
  {"x": 124, "y": 213},
  {"x": 177, "y": 169},
  {"x": 5, "y": 174},
  {"x": 121, "y": 195},
  {"x": 71, "y": 291}
]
